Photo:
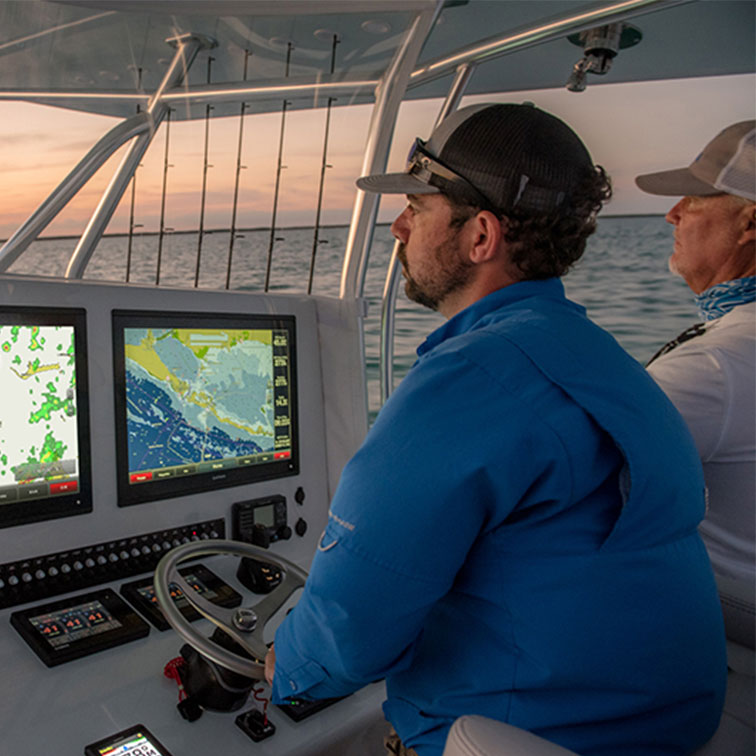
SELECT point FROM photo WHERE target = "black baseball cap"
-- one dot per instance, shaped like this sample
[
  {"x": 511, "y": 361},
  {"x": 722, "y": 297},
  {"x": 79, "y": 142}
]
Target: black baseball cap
[{"x": 504, "y": 157}]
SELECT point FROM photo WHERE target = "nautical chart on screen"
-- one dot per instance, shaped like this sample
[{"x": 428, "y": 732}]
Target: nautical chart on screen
[{"x": 198, "y": 399}]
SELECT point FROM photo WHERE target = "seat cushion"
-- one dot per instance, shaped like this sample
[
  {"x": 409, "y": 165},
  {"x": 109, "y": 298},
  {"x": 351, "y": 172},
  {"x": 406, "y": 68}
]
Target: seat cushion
[{"x": 479, "y": 736}]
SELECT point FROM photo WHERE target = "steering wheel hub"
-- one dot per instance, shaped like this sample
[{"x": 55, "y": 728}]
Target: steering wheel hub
[{"x": 245, "y": 620}]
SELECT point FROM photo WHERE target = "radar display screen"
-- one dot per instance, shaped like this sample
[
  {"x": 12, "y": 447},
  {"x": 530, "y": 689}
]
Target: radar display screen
[
  {"x": 78, "y": 626},
  {"x": 203, "y": 401},
  {"x": 44, "y": 424},
  {"x": 141, "y": 593},
  {"x": 136, "y": 741}
]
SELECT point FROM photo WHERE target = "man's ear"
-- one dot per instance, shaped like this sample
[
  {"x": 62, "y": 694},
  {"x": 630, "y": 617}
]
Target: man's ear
[
  {"x": 487, "y": 234},
  {"x": 747, "y": 224}
]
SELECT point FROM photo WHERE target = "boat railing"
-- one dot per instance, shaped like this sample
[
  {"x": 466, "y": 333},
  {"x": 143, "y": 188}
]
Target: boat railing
[{"x": 389, "y": 89}]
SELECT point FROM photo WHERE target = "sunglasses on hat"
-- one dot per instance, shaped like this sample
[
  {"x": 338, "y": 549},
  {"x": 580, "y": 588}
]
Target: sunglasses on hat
[{"x": 422, "y": 165}]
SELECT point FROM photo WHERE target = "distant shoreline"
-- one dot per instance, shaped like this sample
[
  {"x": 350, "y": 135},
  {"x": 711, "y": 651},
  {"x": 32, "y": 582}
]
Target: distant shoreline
[{"x": 210, "y": 231}]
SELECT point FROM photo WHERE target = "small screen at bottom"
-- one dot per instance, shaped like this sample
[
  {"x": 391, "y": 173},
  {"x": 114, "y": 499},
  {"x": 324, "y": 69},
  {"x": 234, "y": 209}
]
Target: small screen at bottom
[
  {"x": 134, "y": 745},
  {"x": 136, "y": 741}
]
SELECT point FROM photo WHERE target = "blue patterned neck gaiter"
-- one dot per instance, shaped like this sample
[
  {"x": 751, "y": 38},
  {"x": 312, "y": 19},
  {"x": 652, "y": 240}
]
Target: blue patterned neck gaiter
[{"x": 721, "y": 298}]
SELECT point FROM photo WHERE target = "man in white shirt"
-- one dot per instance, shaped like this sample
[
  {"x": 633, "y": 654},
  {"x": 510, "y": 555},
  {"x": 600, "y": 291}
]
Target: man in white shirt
[{"x": 709, "y": 371}]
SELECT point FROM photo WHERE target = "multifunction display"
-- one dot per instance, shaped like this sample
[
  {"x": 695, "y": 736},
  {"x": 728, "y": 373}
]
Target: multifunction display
[
  {"x": 136, "y": 741},
  {"x": 78, "y": 626},
  {"x": 141, "y": 593},
  {"x": 44, "y": 441},
  {"x": 203, "y": 401},
  {"x": 63, "y": 627}
]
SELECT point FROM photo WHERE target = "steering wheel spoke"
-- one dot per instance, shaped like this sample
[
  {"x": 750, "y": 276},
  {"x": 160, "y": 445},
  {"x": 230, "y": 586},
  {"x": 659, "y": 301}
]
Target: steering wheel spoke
[{"x": 244, "y": 624}]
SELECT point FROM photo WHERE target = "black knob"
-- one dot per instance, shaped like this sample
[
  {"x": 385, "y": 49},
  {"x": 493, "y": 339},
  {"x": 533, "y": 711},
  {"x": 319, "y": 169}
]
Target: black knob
[
  {"x": 260, "y": 536},
  {"x": 301, "y": 527},
  {"x": 258, "y": 576},
  {"x": 284, "y": 532},
  {"x": 299, "y": 495}
]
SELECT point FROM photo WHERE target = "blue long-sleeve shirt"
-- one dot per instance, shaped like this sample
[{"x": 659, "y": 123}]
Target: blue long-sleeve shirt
[{"x": 516, "y": 538}]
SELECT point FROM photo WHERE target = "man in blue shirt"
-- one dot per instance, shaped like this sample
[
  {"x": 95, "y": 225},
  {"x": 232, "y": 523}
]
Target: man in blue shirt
[{"x": 516, "y": 537}]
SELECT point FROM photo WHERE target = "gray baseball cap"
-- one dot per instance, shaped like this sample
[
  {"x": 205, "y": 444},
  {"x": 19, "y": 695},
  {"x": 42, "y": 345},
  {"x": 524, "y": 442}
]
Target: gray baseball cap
[
  {"x": 727, "y": 165},
  {"x": 501, "y": 156}
]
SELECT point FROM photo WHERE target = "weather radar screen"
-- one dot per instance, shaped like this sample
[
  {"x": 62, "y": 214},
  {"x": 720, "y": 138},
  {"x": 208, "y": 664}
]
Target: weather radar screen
[
  {"x": 203, "y": 401},
  {"x": 44, "y": 428}
]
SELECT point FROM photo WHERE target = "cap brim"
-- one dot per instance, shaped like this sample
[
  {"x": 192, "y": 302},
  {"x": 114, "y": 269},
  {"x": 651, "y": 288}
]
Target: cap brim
[
  {"x": 395, "y": 183},
  {"x": 677, "y": 183}
]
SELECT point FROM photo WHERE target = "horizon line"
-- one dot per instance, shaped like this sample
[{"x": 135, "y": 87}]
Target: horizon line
[{"x": 206, "y": 232}]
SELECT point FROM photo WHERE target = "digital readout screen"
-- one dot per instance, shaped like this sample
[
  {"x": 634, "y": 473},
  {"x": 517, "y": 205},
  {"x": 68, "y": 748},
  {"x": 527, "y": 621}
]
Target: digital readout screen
[
  {"x": 265, "y": 516},
  {"x": 148, "y": 591},
  {"x": 67, "y": 626},
  {"x": 133, "y": 745}
]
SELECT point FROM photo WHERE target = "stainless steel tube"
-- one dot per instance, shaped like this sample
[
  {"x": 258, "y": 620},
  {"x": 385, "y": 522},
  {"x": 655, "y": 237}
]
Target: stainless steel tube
[
  {"x": 388, "y": 303},
  {"x": 187, "y": 47}
]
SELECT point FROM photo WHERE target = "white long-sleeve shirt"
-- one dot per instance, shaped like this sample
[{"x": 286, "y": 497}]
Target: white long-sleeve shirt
[{"x": 711, "y": 379}]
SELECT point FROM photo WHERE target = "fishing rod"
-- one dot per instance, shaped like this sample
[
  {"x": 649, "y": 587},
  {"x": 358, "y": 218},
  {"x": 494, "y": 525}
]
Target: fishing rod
[
  {"x": 239, "y": 168},
  {"x": 133, "y": 196},
  {"x": 166, "y": 166},
  {"x": 323, "y": 166},
  {"x": 273, "y": 239},
  {"x": 205, "y": 166}
]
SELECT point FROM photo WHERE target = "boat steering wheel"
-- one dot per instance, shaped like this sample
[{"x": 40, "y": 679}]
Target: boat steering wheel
[{"x": 244, "y": 625}]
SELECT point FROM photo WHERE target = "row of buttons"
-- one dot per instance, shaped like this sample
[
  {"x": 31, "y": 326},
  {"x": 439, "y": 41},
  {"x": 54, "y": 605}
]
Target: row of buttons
[
  {"x": 52, "y": 574},
  {"x": 65, "y": 568}
]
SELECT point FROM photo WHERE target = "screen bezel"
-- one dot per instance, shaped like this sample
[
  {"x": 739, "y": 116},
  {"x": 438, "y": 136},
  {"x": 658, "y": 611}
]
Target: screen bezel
[
  {"x": 95, "y": 749},
  {"x": 132, "y": 627},
  {"x": 141, "y": 493},
  {"x": 79, "y": 502}
]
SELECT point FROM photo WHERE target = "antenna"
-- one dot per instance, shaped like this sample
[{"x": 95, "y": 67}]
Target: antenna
[
  {"x": 166, "y": 166},
  {"x": 239, "y": 168},
  {"x": 323, "y": 166},
  {"x": 205, "y": 166},
  {"x": 278, "y": 176}
]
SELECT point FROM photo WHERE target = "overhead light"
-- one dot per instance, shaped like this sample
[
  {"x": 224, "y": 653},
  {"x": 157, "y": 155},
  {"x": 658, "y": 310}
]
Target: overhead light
[
  {"x": 280, "y": 42},
  {"x": 374, "y": 26},
  {"x": 324, "y": 35}
]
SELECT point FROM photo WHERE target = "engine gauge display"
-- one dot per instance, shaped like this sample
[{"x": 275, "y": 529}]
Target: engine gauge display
[
  {"x": 141, "y": 593},
  {"x": 78, "y": 626}
]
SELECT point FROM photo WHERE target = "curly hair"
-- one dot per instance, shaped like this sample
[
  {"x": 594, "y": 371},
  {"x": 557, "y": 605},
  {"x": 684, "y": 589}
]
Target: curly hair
[{"x": 545, "y": 245}]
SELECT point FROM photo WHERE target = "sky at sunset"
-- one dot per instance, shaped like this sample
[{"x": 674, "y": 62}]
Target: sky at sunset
[{"x": 629, "y": 129}]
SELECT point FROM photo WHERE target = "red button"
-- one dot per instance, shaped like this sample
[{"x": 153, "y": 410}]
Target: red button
[
  {"x": 67, "y": 486},
  {"x": 282, "y": 455},
  {"x": 141, "y": 477}
]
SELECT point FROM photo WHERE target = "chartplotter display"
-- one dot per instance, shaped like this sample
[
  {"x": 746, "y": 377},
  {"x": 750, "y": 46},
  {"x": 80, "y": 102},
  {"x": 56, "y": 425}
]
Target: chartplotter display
[
  {"x": 203, "y": 401},
  {"x": 44, "y": 427}
]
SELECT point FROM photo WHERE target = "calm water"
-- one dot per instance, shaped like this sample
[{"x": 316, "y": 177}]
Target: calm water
[{"x": 622, "y": 279}]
